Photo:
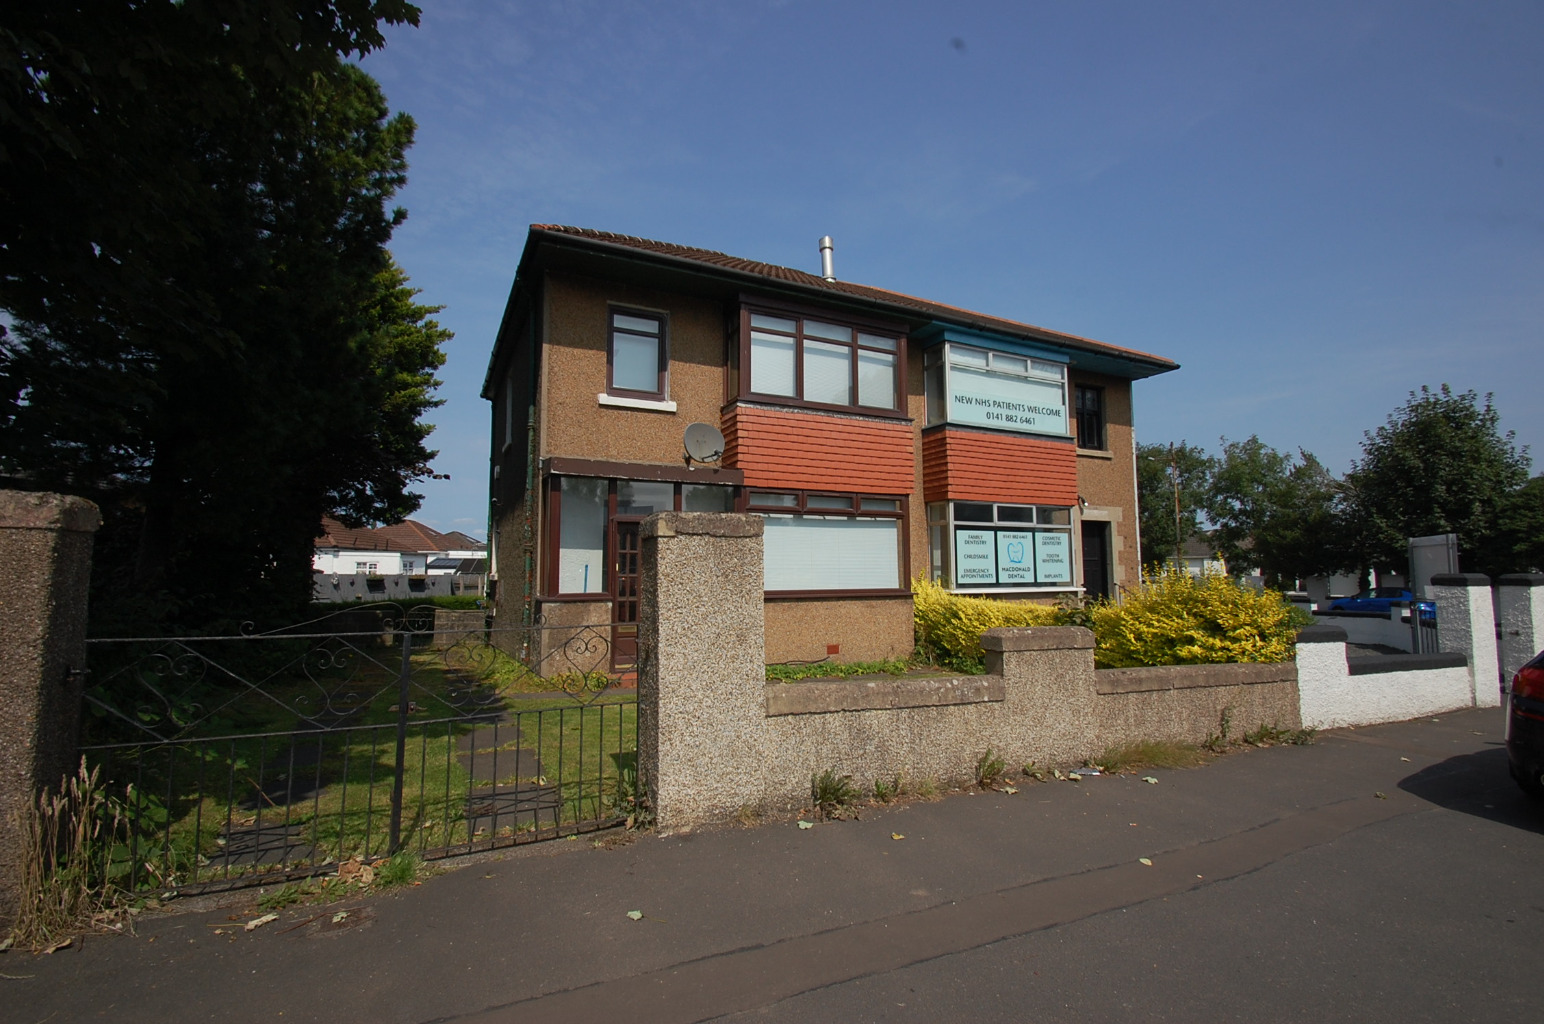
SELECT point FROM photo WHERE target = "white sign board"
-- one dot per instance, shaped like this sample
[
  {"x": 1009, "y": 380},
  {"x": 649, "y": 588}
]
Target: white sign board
[
  {"x": 1005, "y": 402},
  {"x": 975, "y": 558},
  {"x": 1015, "y": 557},
  {"x": 986, "y": 558},
  {"x": 1053, "y": 557}
]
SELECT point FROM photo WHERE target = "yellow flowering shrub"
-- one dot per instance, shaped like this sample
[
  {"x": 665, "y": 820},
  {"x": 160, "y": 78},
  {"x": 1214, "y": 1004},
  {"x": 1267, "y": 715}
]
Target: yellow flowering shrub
[
  {"x": 949, "y": 626},
  {"x": 1175, "y": 618},
  {"x": 1172, "y": 618}
]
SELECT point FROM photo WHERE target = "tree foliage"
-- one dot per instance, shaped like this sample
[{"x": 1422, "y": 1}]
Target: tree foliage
[
  {"x": 208, "y": 334},
  {"x": 1441, "y": 465},
  {"x": 1157, "y": 467},
  {"x": 1274, "y": 512}
]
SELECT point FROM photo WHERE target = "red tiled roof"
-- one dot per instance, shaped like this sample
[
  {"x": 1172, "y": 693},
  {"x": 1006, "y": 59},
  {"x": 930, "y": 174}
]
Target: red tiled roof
[
  {"x": 814, "y": 282},
  {"x": 455, "y": 540},
  {"x": 407, "y": 535}
]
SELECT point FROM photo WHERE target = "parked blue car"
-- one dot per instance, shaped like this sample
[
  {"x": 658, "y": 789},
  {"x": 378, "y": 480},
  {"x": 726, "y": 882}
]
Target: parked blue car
[{"x": 1383, "y": 599}]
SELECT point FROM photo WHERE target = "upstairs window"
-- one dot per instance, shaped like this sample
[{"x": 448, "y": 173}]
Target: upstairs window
[
  {"x": 818, "y": 362},
  {"x": 635, "y": 354},
  {"x": 1090, "y": 402},
  {"x": 980, "y": 387}
]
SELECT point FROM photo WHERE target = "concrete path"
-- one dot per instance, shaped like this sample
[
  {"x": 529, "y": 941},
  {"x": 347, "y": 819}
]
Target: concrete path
[{"x": 1282, "y": 887}]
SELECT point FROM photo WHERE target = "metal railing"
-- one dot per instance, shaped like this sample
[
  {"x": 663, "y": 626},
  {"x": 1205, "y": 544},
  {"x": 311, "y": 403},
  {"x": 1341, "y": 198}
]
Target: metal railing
[{"x": 239, "y": 759}]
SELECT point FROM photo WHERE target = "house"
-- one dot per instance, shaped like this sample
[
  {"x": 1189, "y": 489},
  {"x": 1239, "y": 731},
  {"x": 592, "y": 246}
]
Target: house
[
  {"x": 879, "y": 435},
  {"x": 407, "y": 549},
  {"x": 1200, "y": 558}
]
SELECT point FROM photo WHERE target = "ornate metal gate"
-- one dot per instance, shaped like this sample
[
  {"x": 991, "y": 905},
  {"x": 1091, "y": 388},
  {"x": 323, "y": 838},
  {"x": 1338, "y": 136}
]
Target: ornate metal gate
[{"x": 243, "y": 758}]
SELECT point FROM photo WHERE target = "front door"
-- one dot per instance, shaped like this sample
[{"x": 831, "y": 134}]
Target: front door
[
  {"x": 1096, "y": 559},
  {"x": 624, "y": 593}
]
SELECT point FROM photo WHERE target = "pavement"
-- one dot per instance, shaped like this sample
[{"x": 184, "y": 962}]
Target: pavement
[{"x": 1386, "y": 873}]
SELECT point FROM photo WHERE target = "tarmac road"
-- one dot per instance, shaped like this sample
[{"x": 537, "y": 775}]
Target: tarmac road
[{"x": 1282, "y": 887}]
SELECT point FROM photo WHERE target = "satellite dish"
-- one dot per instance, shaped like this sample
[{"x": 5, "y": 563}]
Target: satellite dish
[{"x": 704, "y": 443}]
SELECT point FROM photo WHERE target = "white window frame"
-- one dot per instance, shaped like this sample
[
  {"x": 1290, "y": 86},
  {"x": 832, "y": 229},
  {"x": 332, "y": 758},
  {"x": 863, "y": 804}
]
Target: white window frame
[{"x": 1038, "y": 369}]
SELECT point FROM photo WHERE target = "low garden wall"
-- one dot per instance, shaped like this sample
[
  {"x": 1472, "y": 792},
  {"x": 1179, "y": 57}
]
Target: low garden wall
[
  {"x": 1192, "y": 703},
  {"x": 715, "y": 737},
  {"x": 1337, "y": 691},
  {"x": 1033, "y": 705}
]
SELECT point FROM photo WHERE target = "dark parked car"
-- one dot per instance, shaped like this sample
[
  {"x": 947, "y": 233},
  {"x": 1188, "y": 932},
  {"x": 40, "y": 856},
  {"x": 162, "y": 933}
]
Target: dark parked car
[
  {"x": 1525, "y": 727},
  {"x": 1382, "y": 599}
]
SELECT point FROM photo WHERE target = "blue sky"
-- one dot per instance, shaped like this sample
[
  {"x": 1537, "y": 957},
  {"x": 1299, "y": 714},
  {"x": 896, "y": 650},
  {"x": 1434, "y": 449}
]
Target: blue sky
[{"x": 1314, "y": 208}]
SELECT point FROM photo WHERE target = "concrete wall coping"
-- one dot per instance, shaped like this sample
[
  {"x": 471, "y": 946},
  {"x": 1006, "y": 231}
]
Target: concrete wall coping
[
  {"x": 810, "y": 698},
  {"x": 42, "y": 510},
  {"x": 1460, "y": 579},
  {"x": 1149, "y": 678},
  {"x": 1378, "y": 663},
  {"x": 1037, "y": 638},
  {"x": 702, "y": 524},
  {"x": 1321, "y": 635},
  {"x": 1521, "y": 579}
]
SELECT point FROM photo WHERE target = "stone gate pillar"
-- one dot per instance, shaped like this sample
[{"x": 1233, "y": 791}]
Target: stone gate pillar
[
  {"x": 1466, "y": 623},
  {"x": 45, "y": 567},
  {"x": 1520, "y": 607},
  {"x": 701, "y": 665}
]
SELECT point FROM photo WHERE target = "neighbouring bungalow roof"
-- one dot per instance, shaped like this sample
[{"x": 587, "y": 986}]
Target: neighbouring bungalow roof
[
  {"x": 881, "y": 300},
  {"x": 408, "y": 535}
]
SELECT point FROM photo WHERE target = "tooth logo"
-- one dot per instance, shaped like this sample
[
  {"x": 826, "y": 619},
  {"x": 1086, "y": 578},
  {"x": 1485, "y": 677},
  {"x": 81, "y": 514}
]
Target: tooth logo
[{"x": 1016, "y": 552}]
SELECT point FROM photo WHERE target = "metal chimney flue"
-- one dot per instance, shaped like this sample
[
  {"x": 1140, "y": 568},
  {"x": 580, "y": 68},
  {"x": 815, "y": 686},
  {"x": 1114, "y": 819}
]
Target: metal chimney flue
[{"x": 825, "y": 259}]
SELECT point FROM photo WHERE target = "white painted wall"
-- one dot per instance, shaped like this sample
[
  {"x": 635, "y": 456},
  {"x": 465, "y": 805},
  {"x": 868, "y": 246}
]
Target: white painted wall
[
  {"x": 1466, "y": 621},
  {"x": 387, "y": 563},
  {"x": 1333, "y": 698}
]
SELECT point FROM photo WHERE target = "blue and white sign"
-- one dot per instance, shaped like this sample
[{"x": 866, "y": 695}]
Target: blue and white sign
[
  {"x": 975, "y": 558},
  {"x": 1015, "y": 556},
  {"x": 1012, "y": 558},
  {"x": 1053, "y": 557},
  {"x": 983, "y": 398}
]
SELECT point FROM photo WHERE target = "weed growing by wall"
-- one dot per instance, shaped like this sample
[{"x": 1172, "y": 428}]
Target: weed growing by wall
[{"x": 67, "y": 882}]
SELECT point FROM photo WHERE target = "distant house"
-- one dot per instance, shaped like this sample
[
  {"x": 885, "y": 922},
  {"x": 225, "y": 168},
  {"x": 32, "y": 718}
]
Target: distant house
[
  {"x": 408, "y": 549},
  {"x": 1197, "y": 557},
  {"x": 405, "y": 549}
]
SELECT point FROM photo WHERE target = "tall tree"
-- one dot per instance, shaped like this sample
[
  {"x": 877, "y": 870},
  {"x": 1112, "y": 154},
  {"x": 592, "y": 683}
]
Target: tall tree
[
  {"x": 116, "y": 139},
  {"x": 1274, "y": 512},
  {"x": 1516, "y": 544},
  {"x": 1439, "y": 465},
  {"x": 230, "y": 354},
  {"x": 1163, "y": 470}
]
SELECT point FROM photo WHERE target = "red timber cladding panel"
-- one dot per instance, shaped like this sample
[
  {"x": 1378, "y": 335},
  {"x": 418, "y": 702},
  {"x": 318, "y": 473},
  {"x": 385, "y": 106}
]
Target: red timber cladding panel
[
  {"x": 809, "y": 451},
  {"x": 962, "y": 465}
]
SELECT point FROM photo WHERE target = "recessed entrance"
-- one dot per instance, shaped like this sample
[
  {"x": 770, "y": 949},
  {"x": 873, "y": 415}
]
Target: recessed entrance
[{"x": 1096, "y": 559}]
